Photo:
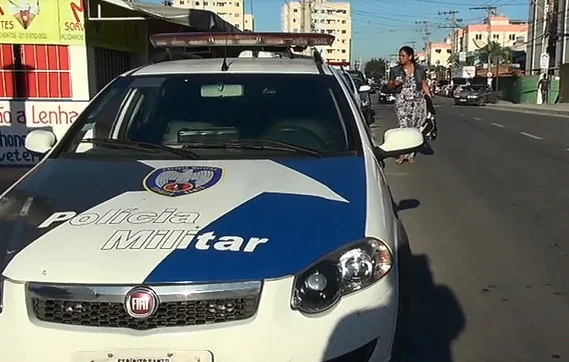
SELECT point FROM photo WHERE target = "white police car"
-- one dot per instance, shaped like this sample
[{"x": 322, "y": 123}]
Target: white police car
[{"x": 227, "y": 210}]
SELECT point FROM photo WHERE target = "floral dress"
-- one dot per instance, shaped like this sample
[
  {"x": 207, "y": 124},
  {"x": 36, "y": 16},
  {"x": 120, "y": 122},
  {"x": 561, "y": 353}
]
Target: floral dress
[{"x": 410, "y": 105}]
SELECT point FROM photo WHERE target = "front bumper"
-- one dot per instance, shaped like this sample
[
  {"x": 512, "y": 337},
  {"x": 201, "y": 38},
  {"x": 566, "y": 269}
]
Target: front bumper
[
  {"x": 387, "y": 99},
  {"x": 468, "y": 101},
  {"x": 276, "y": 333}
]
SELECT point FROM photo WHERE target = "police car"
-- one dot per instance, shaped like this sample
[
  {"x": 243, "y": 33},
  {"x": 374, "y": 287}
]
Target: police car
[{"x": 217, "y": 209}]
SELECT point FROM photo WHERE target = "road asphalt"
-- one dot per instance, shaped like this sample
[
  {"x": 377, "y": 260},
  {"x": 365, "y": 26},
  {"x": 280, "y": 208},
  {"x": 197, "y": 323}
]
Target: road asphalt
[{"x": 487, "y": 216}]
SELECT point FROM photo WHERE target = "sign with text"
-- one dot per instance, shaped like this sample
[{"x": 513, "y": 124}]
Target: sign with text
[
  {"x": 35, "y": 22},
  {"x": 18, "y": 118}
]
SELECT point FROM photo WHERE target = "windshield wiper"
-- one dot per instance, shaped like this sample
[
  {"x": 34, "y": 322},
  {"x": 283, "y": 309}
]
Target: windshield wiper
[
  {"x": 140, "y": 146},
  {"x": 255, "y": 144}
]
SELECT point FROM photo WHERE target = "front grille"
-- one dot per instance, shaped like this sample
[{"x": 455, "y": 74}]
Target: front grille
[{"x": 112, "y": 314}]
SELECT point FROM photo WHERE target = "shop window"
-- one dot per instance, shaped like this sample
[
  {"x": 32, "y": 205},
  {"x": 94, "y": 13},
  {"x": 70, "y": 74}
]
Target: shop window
[{"x": 35, "y": 71}]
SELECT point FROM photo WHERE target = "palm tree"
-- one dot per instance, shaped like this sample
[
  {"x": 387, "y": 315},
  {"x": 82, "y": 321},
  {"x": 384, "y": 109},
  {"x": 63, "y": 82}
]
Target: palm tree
[{"x": 495, "y": 50}]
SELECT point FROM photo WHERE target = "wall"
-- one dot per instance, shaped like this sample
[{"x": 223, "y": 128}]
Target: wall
[
  {"x": 43, "y": 68},
  {"x": 524, "y": 90}
]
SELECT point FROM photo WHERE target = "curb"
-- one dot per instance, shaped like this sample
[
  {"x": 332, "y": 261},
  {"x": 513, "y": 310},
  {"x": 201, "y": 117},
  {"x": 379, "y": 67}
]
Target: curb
[{"x": 551, "y": 112}]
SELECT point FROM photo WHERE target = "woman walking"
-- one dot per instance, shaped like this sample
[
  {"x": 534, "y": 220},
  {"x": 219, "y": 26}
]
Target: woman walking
[{"x": 409, "y": 80}]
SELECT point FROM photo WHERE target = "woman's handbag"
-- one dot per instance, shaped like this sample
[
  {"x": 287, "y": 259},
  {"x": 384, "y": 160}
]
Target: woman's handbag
[{"x": 429, "y": 127}]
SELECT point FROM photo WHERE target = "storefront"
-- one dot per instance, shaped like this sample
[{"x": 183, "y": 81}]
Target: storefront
[{"x": 57, "y": 54}]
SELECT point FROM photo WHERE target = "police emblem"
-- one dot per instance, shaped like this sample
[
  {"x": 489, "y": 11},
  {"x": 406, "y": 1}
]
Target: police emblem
[{"x": 182, "y": 180}]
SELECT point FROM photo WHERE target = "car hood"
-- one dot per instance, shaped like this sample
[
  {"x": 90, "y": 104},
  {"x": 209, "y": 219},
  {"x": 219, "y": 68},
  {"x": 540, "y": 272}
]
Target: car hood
[{"x": 84, "y": 221}]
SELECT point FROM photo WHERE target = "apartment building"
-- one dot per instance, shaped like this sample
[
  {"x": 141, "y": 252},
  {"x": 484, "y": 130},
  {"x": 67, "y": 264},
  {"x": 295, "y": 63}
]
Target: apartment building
[
  {"x": 232, "y": 11},
  {"x": 500, "y": 28},
  {"x": 439, "y": 53},
  {"x": 325, "y": 17},
  {"x": 249, "y": 23}
]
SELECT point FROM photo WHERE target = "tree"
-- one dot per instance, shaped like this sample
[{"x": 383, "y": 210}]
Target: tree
[
  {"x": 495, "y": 50},
  {"x": 375, "y": 69}
]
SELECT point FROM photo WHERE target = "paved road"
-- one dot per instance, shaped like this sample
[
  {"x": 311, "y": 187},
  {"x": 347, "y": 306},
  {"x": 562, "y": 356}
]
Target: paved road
[{"x": 487, "y": 216}]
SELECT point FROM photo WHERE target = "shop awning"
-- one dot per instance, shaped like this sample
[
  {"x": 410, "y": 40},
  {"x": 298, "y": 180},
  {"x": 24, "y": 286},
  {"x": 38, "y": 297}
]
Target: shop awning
[{"x": 199, "y": 20}]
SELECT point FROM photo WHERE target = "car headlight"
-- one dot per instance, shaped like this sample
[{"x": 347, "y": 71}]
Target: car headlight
[
  {"x": 472, "y": 97},
  {"x": 341, "y": 273}
]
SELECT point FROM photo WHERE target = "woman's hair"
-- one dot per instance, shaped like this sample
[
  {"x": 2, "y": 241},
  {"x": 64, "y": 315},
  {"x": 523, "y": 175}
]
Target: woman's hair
[{"x": 409, "y": 51}]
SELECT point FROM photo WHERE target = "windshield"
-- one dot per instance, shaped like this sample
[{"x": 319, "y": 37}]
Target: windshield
[
  {"x": 472, "y": 88},
  {"x": 204, "y": 112}
]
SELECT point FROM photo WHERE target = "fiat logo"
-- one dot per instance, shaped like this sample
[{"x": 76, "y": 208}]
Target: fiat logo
[{"x": 141, "y": 302}]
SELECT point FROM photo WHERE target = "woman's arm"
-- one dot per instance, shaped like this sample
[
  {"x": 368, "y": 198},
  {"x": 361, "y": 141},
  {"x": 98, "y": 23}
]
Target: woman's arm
[
  {"x": 426, "y": 88},
  {"x": 393, "y": 83}
]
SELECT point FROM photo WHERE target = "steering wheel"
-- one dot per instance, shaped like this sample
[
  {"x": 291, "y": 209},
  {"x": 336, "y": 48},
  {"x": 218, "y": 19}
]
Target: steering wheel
[{"x": 298, "y": 136}]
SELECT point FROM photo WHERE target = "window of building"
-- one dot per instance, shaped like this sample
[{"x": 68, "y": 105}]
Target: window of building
[
  {"x": 35, "y": 71},
  {"x": 478, "y": 36},
  {"x": 329, "y": 51},
  {"x": 343, "y": 32},
  {"x": 182, "y": 2},
  {"x": 495, "y": 36},
  {"x": 512, "y": 37}
]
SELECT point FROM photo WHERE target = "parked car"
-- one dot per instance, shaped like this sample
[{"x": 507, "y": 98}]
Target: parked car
[
  {"x": 476, "y": 94},
  {"x": 360, "y": 94},
  {"x": 217, "y": 209},
  {"x": 386, "y": 96}
]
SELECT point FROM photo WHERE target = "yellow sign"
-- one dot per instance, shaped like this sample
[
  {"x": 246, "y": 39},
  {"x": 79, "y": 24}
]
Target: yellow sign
[
  {"x": 34, "y": 22},
  {"x": 72, "y": 21}
]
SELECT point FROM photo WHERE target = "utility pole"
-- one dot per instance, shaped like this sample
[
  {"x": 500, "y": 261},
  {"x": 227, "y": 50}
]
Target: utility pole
[
  {"x": 427, "y": 40},
  {"x": 453, "y": 24},
  {"x": 490, "y": 11},
  {"x": 548, "y": 31}
]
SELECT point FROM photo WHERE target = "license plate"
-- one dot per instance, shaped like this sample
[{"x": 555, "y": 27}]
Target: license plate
[
  {"x": 144, "y": 355},
  {"x": 143, "y": 359},
  {"x": 463, "y": 100}
]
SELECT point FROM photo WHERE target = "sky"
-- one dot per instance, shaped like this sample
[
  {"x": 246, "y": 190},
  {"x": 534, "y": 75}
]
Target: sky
[{"x": 381, "y": 27}]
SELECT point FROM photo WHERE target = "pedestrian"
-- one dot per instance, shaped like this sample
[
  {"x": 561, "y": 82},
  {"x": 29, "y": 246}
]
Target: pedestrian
[
  {"x": 409, "y": 80},
  {"x": 544, "y": 85}
]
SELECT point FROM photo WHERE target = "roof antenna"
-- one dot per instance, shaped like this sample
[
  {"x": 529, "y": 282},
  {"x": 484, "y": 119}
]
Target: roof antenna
[{"x": 225, "y": 66}]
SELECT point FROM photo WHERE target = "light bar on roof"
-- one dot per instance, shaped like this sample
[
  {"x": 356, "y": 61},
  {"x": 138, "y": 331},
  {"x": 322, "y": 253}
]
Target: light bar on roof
[{"x": 248, "y": 39}]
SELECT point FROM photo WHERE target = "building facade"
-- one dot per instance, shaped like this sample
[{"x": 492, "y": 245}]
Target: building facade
[
  {"x": 439, "y": 54},
  {"x": 553, "y": 40},
  {"x": 232, "y": 11},
  {"x": 499, "y": 29},
  {"x": 324, "y": 17},
  {"x": 249, "y": 23}
]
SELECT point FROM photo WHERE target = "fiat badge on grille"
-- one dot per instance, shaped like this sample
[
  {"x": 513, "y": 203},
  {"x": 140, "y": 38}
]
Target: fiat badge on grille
[{"x": 141, "y": 302}]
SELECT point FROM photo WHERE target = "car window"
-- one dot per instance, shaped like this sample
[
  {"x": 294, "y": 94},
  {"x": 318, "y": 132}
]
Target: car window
[{"x": 308, "y": 111}]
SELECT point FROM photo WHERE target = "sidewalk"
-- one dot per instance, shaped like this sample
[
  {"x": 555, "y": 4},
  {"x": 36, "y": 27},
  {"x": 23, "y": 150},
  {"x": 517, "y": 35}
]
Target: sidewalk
[{"x": 558, "y": 109}]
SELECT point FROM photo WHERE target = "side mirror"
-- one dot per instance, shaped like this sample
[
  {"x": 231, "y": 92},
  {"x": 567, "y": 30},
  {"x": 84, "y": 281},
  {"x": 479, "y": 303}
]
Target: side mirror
[
  {"x": 40, "y": 141},
  {"x": 364, "y": 88},
  {"x": 399, "y": 141}
]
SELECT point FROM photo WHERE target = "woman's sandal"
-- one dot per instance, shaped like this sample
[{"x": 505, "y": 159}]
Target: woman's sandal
[
  {"x": 400, "y": 160},
  {"x": 411, "y": 159}
]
